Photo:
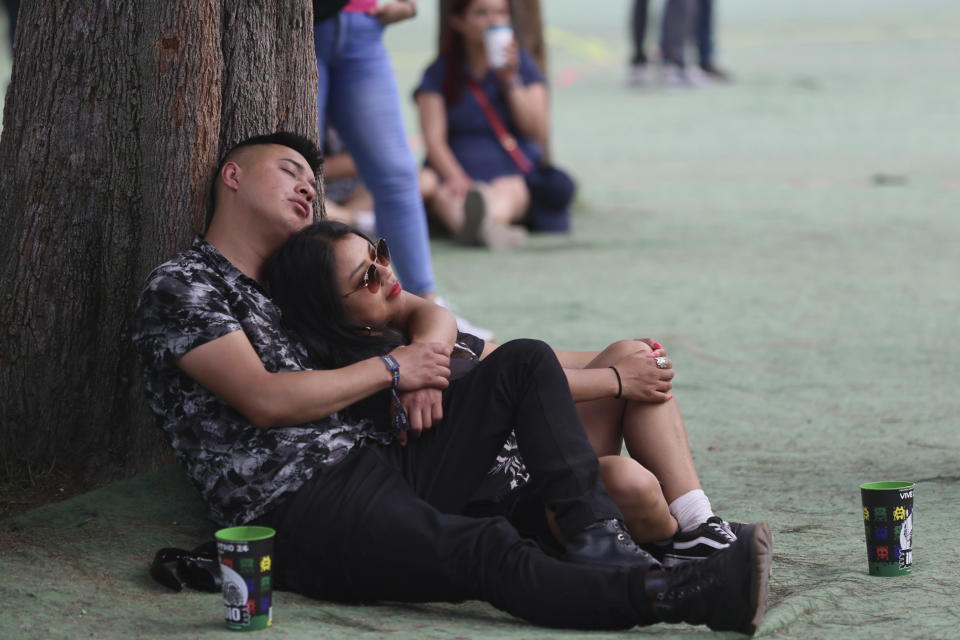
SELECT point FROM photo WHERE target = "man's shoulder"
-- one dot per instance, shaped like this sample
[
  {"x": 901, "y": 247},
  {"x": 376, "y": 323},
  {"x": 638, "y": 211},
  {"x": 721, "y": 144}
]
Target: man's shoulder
[
  {"x": 189, "y": 269},
  {"x": 185, "y": 265}
]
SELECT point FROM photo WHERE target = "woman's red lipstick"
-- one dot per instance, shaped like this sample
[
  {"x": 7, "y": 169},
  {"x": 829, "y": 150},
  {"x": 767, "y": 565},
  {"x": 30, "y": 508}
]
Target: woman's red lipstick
[{"x": 394, "y": 291}]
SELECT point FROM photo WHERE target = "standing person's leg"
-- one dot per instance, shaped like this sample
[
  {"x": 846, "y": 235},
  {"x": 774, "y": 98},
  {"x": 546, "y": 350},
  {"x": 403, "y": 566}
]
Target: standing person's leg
[
  {"x": 13, "y": 8},
  {"x": 706, "y": 25},
  {"x": 638, "y": 35},
  {"x": 638, "y": 30},
  {"x": 364, "y": 107},
  {"x": 326, "y": 36},
  {"x": 674, "y": 32},
  {"x": 704, "y": 33}
]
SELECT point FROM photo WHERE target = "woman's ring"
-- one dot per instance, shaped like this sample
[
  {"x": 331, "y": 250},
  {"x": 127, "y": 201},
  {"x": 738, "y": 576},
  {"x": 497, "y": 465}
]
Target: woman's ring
[{"x": 662, "y": 362}]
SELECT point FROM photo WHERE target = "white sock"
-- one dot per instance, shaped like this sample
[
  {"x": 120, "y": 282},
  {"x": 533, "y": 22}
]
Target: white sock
[{"x": 691, "y": 509}]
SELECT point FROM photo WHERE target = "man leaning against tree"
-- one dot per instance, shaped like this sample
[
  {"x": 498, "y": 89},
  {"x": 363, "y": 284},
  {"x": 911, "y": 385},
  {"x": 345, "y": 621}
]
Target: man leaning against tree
[{"x": 358, "y": 516}]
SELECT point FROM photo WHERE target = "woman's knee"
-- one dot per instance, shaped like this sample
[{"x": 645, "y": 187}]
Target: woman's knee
[
  {"x": 623, "y": 348},
  {"x": 629, "y": 483}
]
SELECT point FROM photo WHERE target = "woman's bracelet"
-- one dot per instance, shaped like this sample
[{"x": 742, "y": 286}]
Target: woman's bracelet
[
  {"x": 619, "y": 383},
  {"x": 394, "y": 368}
]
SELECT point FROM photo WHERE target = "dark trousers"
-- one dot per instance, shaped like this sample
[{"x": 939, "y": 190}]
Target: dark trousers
[
  {"x": 675, "y": 29},
  {"x": 387, "y": 523},
  {"x": 638, "y": 30},
  {"x": 705, "y": 33}
]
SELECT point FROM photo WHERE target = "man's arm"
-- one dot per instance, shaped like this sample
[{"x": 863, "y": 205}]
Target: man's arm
[{"x": 230, "y": 368}]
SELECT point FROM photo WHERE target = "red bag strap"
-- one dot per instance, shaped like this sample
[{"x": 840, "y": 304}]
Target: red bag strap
[{"x": 508, "y": 142}]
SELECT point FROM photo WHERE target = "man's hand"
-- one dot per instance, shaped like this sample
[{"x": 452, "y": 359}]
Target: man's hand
[
  {"x": 423, "y": 365},
  {"x": 424, "y": 409},
  {"x": 643, "y": 380}
]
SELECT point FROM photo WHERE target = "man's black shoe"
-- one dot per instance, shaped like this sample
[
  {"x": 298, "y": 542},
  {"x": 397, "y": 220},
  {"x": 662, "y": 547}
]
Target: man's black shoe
[
  {"x": 607, "y": 543},
  {"x": 727, "y": 591}
]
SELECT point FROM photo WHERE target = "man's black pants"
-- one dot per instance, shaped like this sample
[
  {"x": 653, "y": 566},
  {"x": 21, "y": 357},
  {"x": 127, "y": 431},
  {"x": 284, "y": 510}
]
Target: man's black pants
[{"x": 385, "y": 523}]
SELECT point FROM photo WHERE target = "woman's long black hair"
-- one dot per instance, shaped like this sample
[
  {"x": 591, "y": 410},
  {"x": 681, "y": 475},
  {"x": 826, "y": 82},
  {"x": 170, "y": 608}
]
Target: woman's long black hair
[{"x": 301, "y": 278}]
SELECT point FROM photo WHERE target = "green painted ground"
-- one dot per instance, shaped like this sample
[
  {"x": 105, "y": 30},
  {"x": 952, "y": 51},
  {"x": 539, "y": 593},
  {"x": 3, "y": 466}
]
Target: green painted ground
[{"x": 792, "y": 239}]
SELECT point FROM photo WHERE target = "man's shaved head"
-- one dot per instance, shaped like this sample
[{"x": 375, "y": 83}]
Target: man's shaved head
[{"x": 249, "y": 149}]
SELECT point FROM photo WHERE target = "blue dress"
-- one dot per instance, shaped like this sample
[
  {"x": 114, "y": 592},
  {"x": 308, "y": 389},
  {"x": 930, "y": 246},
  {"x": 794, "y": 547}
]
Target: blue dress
[{"x": 468, "y": 131}]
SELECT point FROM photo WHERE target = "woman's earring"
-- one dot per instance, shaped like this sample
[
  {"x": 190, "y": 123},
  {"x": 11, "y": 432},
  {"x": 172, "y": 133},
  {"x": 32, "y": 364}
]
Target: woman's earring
[{"x": 369, "y": 330}]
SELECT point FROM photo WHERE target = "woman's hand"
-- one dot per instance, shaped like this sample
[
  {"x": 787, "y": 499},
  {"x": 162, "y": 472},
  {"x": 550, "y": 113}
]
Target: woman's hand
[
  {"x": 643, "y": 379},
  {"x": 424, "y": 409},
  {"x": 422, "y": 365},
  {"x": 509, "y": 74},
  {"x": 391, "y": 12},
  {"x": 457, "y": 185}
]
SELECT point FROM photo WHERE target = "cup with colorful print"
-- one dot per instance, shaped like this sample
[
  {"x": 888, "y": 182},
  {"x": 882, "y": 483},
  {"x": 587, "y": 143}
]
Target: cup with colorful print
[
  {"x": 888, "y": 523},
  {"x": 246, "y": 564}
]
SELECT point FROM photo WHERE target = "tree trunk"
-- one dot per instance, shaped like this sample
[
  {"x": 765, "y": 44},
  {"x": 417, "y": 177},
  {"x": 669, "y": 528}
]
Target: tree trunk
[
  {"x": 527, "y": 27},
  {"x": 114, "y": 120}
]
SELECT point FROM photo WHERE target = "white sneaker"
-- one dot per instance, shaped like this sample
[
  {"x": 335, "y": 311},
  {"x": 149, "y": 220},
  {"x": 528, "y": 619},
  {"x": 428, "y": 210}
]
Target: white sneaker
[
  {"x": 463, "y": 324},
  {"x": 365, "y": 222},
  {"x": 673, "y": 75}
]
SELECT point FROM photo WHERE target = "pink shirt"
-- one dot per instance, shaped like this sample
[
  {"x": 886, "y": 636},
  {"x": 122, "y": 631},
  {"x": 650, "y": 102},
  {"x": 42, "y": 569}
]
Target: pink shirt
[{"x": 360, "y": 6}]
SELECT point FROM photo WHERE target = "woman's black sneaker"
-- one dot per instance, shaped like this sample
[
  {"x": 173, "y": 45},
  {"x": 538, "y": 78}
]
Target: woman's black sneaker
[{"x": 711, "y": 536}]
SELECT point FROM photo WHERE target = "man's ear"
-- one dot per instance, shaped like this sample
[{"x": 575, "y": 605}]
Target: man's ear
[{"x": 230, "y": 175}]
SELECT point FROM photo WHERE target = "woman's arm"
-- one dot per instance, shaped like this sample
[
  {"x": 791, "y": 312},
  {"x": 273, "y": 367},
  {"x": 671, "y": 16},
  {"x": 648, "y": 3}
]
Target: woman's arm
[
  {"x": 639, "y": 377},
  {"x": 528, "y": 103},
  {"x": 390, "y": 12},
  {"x": 424, "y": 321},
  {"x": 585, "y": 384},
  {"x": 433, "y": 124}
]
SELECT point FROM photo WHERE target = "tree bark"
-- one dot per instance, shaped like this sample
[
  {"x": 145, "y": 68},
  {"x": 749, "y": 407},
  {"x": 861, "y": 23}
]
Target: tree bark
[{"x": 115, "y": 117}]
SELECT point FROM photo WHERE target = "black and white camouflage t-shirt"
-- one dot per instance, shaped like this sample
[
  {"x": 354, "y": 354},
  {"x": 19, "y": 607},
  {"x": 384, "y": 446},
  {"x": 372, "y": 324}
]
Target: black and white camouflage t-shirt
[{"x": 240, "y": 470}]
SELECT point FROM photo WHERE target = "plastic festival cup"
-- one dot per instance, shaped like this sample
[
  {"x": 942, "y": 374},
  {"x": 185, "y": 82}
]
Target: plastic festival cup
[
  {"x": 246, "y": 564},
  {"x": 888, "y": 522}
]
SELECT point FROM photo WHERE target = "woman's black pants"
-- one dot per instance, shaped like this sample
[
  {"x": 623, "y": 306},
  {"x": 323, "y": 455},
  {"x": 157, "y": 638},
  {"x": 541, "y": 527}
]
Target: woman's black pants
[{"x": 386, "y": 523}]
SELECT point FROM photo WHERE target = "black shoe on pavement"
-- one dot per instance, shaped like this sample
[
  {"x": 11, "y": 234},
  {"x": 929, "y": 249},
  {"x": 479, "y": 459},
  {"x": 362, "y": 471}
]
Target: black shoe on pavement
[
  {"x": 727, "y": 591},
  {"x": 607, "y": 543},
  {"x": 713, "y": 535},
  {"x": 715, "y": 73}
]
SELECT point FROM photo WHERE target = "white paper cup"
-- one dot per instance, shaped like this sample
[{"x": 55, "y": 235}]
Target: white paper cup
[{"x": 496, "y": 39}]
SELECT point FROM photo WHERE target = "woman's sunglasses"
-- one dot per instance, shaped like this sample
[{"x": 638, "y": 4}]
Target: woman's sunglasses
[{"x": 379, "y": 254}]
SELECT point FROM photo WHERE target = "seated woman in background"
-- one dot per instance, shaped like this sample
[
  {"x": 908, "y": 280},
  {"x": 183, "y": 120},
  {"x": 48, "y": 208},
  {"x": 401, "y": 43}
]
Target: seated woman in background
[
  {"x": 481, "y": 192},
  {"x": 330, "y": 281}
]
